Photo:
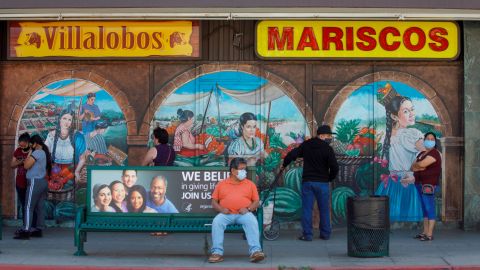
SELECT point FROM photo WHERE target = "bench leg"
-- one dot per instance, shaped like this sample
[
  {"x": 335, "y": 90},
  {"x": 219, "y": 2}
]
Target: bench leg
[{"x": 79, "y": 236}]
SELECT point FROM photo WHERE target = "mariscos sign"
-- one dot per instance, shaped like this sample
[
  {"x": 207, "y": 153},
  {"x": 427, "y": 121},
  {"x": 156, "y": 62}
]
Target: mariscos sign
[
  {"x": 104, "y": 39},
  {"x": 357, "y": 39}
]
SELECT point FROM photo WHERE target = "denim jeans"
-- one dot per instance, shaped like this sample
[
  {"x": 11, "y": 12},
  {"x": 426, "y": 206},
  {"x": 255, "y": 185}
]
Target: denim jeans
[
  {"x": 249, "y": 224},
  {"x": 321, "y": 192}
]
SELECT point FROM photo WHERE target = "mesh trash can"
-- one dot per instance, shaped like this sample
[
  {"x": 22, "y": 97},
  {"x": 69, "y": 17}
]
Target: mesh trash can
[{"x": 368, "y": 226}]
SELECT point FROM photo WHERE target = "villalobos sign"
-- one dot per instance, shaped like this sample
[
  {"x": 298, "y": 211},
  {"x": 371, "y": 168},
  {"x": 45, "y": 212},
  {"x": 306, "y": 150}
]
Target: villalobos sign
[
  {"x": 93, "y": 39},
  {"x": 357, "y": 39}
]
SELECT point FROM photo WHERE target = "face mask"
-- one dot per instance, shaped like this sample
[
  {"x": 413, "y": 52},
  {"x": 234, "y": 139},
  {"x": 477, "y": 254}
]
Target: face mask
[
  {"x": 429, "y": 144},
  {"x": 242, "y": 174},
  {"x": 328, "y": 140},
  {"x": 26, "y": 148}
]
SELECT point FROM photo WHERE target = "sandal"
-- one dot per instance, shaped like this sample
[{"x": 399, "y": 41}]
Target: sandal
[
  {"x": 426, "y": 238},
  {"x": 419, "y": 236}
]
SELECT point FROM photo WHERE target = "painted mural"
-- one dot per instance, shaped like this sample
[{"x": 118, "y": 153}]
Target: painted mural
[
  {"x": 227, "y": 114},
  {"x": 82, "y": 125},
  {"x": 380, "y": 129}
]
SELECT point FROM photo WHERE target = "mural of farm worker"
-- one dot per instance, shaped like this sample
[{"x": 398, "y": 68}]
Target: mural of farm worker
[
  {"x": 137, "y": 200},
  {"x": 401, "y": 146},
  {"x": 129, "y": 178},
  {"x": 68, "y": 148},
  {"x": 96, "y": 145},
  {"x": 428, "y": 168},
  {"x": 89, "y": 114},
  {"x": 157, "y": 199},
  {"x": 162, "y": 154},
  {"x": 118, "y": 197},
  {"x": 247, "y": 145},
  {"x": 320, "y": 167},
  {"x": 102, "y": 197},
  {"x": 184, "y": 141}
]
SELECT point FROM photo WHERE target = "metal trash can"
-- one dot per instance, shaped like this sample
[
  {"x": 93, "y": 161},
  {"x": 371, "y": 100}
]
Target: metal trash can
[{"x": 368, "y": 226}]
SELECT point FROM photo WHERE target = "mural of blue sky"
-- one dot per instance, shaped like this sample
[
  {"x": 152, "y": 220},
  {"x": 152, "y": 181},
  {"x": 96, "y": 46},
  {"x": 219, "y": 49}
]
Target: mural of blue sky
[
  {"x": 282, "y": 108},
  {"x": 103, "y": 99},
  {"x": 360, "y": 103}
]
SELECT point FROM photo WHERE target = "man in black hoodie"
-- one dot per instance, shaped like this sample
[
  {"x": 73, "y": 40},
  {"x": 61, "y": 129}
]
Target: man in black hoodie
[{"x": 320, "y": 167}]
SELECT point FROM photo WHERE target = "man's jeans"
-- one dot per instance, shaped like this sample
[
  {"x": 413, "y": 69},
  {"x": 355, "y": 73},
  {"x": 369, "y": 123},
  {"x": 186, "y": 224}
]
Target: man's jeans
[
  {"x": 249, "y": 224},
  {"x": 321, "y": 192}
]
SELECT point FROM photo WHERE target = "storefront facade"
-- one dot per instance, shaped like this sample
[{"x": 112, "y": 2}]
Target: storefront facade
[{"x": 217, "y": 72}]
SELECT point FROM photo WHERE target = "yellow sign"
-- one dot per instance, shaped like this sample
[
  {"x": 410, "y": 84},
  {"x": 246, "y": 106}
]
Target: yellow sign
[
  {"x": 104, "y": 39},
  {"x": 357, "y": 39}
]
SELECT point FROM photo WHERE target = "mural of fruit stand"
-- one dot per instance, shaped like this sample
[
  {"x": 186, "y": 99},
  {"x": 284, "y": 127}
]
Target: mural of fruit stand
[
  {"x": 225, "y": 114},
  {"x": 63, "y": 113},
  {"x": 362, "y": 130}
]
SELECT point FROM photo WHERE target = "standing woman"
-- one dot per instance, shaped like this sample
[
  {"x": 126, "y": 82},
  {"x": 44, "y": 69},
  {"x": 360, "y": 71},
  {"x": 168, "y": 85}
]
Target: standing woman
[
  {"x": 38, "y": 165},
  {"x": 162, "y": 154},
  {"x": 427, "y": 169},
  {"x": 184, "y": 141}
]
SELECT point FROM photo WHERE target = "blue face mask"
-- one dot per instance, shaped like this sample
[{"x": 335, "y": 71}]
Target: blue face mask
[
  {"x": 242, "y": 174},
  {"x": 429, "y": 144}
]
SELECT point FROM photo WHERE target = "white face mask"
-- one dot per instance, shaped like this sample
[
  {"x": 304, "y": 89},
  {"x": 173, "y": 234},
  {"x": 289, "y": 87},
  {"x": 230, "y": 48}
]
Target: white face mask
[{"x": 242, "y": 174}]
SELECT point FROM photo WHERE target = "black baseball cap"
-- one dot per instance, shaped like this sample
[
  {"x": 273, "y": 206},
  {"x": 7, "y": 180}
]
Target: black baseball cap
[{"x": 324, "y": 129}]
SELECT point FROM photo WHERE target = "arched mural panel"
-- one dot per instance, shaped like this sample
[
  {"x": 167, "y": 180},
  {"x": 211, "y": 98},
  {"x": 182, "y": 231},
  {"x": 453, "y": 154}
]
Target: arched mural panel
[
  {"x": 81, "y": 124},
  {"x": 380, "y": 128},
  {"x": 230, "y": 113}
]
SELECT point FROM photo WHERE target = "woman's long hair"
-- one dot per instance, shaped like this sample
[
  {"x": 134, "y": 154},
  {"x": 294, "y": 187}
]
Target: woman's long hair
[
  {"x": 391, "y": 108},
  {"x": 58, "y": 131},
  {"x": 143, "y": 192},
  {"x": 38, "y": 140}
]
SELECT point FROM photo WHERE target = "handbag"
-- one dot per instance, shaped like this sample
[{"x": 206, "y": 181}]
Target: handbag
[{"x": 428, "y": 189}]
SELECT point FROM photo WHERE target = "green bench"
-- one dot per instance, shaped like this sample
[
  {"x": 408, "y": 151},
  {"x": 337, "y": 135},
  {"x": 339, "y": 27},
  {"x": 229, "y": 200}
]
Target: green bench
[{"x": 87, "y": 221}]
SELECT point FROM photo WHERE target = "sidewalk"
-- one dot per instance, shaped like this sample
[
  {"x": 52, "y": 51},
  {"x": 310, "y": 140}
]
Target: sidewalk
[{"x": 451, "y": 249}]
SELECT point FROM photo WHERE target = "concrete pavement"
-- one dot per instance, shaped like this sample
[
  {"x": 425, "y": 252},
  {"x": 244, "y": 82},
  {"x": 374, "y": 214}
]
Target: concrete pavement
[{"x": 451, "y": 249}]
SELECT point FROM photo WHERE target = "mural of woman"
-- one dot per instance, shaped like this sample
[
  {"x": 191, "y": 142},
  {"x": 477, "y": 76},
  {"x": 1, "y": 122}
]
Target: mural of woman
[
  {"x": 247, "y": 145},
  {"x": 184, "y": 141},
  {"x": 67, "y": 146},
  {"x": 401, "y": 146}
]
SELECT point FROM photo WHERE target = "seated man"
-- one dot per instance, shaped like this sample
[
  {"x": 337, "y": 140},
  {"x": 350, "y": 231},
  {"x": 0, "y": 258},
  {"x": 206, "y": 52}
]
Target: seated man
[{"x": 235, "y": 198}]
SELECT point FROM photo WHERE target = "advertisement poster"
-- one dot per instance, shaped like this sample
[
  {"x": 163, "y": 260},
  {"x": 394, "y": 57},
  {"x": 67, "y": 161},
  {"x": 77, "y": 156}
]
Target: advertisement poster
[{"x": 154, "y": 190}]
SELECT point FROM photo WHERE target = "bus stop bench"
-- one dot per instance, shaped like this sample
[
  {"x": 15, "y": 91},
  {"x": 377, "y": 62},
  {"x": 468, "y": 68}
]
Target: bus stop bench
[{"x": 184, "y": 223}]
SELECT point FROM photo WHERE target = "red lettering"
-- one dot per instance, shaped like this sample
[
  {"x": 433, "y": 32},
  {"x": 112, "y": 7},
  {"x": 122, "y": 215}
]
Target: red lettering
[
  {"x": 382, "y": 38},
  {"x": 89, "y": 42},
  {"x": 70, "y": 38},
  {"x": 407, "y": 39},
  {"x": 62, "y": 39},
  {"x": 349, "y": 39},
  {"x": 143, "y": 40},
  {"x": 50, "y": 35},
  {"x": 274, "y": 38},
  {"x": 157, "y": 42},
  {"x": 336, "y": 38},
  {"x": 127, "y": 37},
  {"x": 100, "y": 38},
  {"x": 435, "y": 35},
  {"x": 116, "y": 39},
  {"x": 77, "y": 37},
  {"x": 307, "y": 40},
  {"x": 365, "y": 35}
]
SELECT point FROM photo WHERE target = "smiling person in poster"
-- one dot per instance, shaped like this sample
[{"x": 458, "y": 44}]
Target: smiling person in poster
[
  {"x": 235, "y": 198},
  {"x": 137, "y": 200},
  {"x": 157, "y": 199},
  {"x": 102, "y": 197}
]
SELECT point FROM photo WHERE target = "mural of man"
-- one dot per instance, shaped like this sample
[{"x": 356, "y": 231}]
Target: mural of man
[
  {"x": 89, "y": 114},
  {"x": 129, "y": 178},
  {"x": 157, "y": 199}
]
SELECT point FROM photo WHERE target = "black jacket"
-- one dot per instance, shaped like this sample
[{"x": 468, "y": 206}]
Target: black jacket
[{"x": 319, "y": 161}]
